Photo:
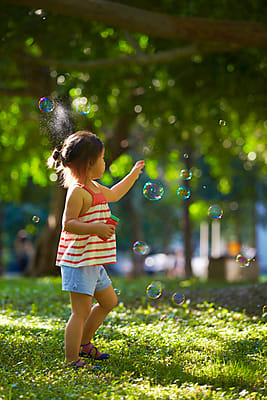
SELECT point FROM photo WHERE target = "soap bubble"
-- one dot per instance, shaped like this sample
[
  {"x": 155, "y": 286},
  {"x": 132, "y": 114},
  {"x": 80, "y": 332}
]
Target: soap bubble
[
  {"x": 46, "y": 104},
  {"x": 35, "y": 219},
  {"x": 242, "y": 260},
  {"x": 117, "y": 291},
  {"x": 153, "y": 290},
  {"x": 222, "y": 122},
  {"x": 215, "y": 212},
  {"x": 186, "y": 155},
  {"x": 140, "y": 247},
  {"x": 186, "y": 174},
  {"x": 81, "y": 105},
  {"x": 178, "y": 298},
  {"x": 153, "y": 191},
  {"x": 183, "y": 192}
]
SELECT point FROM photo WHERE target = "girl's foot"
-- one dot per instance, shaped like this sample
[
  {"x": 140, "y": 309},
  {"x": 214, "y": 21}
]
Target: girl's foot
[
  {"x": 89, "y": 350},
  {"x": 80, "y": 364}
]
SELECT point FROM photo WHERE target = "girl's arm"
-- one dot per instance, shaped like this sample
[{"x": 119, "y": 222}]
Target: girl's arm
[
  {"x": 119, "y": 190},
  {"x": 71, "y": 223}
]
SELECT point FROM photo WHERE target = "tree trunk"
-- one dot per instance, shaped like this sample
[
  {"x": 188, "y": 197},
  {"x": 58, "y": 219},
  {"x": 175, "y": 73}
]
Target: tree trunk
[
  {"x": 187, "y": 240},
  {"x": 136, "y": 235},
  {"x": 187, "y": 225},
  {"x": 1, "y": 243},
  {"x": 43, "y": 262}
]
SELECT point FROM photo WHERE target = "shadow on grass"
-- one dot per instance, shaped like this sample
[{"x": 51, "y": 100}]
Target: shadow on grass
[
  {"x": 32, "y": 362},
  {"x": 32, "y": 356}
]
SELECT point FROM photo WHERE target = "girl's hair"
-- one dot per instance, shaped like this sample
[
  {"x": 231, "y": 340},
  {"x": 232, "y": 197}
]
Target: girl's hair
[{"x": 78, "y": 151}]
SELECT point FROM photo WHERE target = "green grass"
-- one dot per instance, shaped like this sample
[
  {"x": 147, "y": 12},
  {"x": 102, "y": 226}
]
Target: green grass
[{"x": 207, "y": 352}]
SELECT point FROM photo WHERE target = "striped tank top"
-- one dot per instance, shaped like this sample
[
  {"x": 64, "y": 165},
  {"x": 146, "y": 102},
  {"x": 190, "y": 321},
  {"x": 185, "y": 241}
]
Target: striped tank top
[{"x": 84, "y": 250}]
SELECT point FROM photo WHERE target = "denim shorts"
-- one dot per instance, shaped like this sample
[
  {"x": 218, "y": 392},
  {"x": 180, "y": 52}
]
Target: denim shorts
[{"x": 87, "y": 280}]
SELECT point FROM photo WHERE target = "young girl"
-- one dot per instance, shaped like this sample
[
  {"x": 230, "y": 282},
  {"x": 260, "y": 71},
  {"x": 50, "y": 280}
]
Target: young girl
[{"x": 86, "y": 241}]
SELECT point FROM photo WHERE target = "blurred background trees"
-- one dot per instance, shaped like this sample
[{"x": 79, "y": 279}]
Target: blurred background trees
[{"x": 157, "y": 109}]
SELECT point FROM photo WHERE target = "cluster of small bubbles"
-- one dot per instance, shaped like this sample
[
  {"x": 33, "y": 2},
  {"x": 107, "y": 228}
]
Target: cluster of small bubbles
[
  {"x": 186, "y": 174},
  {"x": 140, "y": 247},
  {"x": 117, "y": 291},
  {"x": 242, "y": 260},
  {"x": 81, "y": 105},
  {"x": 153, "y": 290},
  {"x": 46, "y": 104},
  {"x": 215, "y": 212},
  {"x": 222, "y": 122},
  {"x": 178, "y": 298},
  {"x": 186, "y": 155},
  {"x": 153, "y": 191},
  {"x": 183, "y": 192},
  {"x": 169, "y": 317},
  {"x": 35, "y": 219}
]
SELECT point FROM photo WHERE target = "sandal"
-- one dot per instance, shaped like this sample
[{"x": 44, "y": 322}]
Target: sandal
[{"x": 92, "y": 353}]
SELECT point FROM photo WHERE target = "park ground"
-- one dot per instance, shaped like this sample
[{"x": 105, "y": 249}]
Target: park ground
[{"x": 210, "y": 347}]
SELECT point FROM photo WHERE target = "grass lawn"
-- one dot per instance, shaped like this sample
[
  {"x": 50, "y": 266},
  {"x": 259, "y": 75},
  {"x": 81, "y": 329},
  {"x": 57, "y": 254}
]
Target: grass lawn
[{"x": 204, "y": 349}]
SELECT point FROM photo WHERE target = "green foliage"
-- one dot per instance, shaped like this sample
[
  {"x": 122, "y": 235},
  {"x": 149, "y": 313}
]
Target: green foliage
[
  {"x": 209, "y": 352},
  {"x": 174, "y": 106},
  {"x": 121, "y": 166}
]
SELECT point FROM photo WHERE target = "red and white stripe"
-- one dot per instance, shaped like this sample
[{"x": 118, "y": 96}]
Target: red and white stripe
[{"x": 83, "y": 250}]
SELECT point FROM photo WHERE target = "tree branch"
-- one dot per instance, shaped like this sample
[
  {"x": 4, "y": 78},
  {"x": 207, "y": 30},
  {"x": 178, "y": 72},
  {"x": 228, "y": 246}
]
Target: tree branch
[
  {"x": 154, "y": 23},
  {"x": 161, "y": 57}
]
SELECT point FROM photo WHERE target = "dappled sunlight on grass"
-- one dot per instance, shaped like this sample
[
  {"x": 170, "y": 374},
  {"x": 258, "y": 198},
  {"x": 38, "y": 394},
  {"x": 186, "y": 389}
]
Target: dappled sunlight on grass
[{"x": 202, "y": 351}]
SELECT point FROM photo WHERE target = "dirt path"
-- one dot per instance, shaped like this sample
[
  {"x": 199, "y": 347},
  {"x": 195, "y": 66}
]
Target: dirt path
[{"x": 251, "y": 297}]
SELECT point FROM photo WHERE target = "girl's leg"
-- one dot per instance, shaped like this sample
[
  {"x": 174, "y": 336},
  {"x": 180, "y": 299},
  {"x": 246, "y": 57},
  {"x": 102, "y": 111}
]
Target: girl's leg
[
  {"x": 80, "y": 305},
  {"x": 107, "y": 300}
]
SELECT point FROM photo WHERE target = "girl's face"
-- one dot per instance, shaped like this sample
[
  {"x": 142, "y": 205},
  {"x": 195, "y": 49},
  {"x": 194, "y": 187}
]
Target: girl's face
[{"x": 98, "y": 168}]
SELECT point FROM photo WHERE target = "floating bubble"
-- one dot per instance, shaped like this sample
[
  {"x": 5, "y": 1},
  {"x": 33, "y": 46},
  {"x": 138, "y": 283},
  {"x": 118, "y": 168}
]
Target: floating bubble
[
  {"x": 186, "y": 155},
  {"x": 215, "y": 212},
  {"x": 46, "y": 104},
  {"x": 186, "y": 174},
  {"x": 153, "y": 191},
  {"x": 35, "y": 219},
  {"x": 222, "y": 122},
  {"x": 242, "y": 260},
  {"x": 117, "y": 291},
  {"x": 140, "y": 247},
  {"x": 183, "y": 192},
  {"x": 204, "y": 187},
  {"x": 81, "y": 105},
  {"x": 153, "y": 291},
  {"x": 178, "y": 298}
]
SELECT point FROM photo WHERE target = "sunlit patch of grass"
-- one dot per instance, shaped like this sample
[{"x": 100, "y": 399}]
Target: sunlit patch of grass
[{"x": 205, "y": 352}]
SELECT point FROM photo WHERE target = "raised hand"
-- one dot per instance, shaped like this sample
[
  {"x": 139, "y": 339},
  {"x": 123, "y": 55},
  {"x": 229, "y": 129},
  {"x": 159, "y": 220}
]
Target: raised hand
[{"x": 138, "y": 168}]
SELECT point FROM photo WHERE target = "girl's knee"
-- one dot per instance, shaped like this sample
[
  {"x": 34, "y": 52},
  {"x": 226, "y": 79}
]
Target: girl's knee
[
  {"x": 111, "y": 304},
  {"x": 114, "y": 303},
  {"x": 82, "y": 315}
]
